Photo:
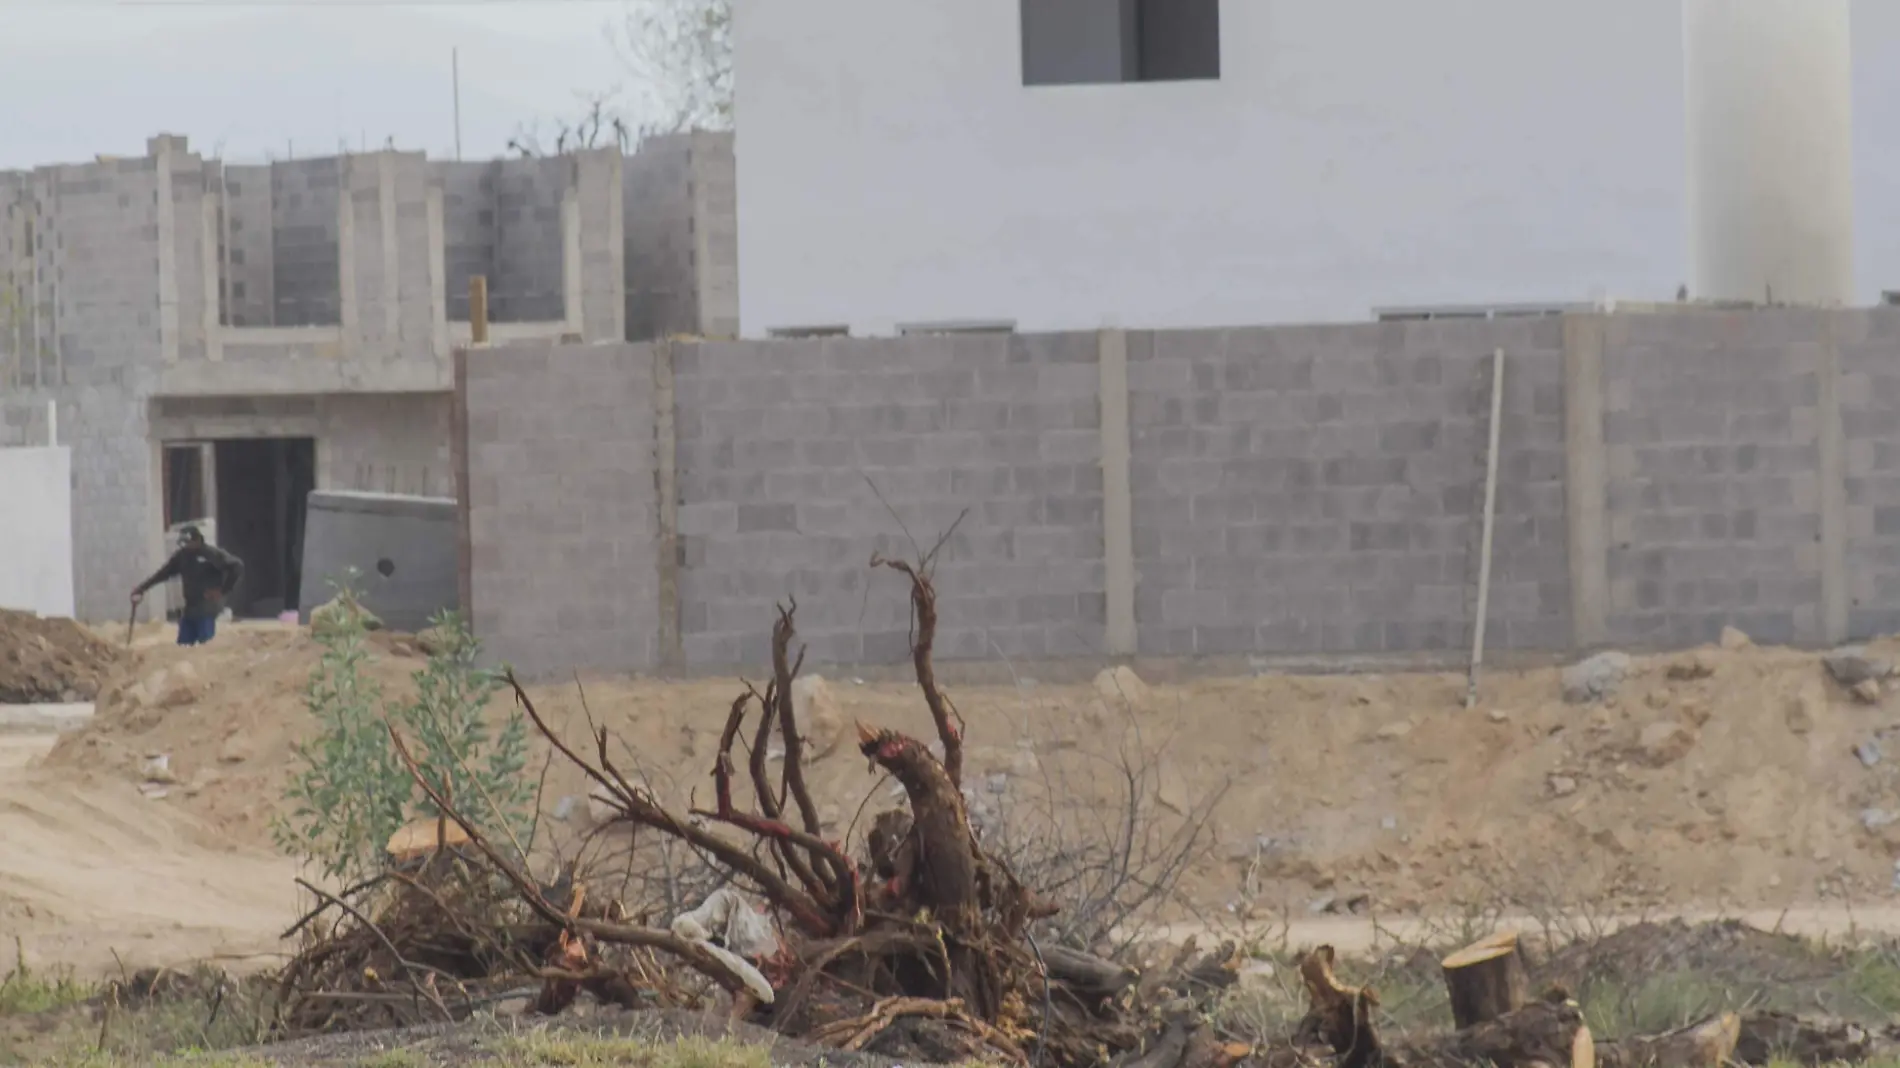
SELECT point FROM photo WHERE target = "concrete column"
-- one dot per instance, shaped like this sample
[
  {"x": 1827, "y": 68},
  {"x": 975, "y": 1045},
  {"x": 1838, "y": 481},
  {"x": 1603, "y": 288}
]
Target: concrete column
[
  {"x": 392, "y": 259},
  {"x": 1584, "y": 474},
  {"x": 163, "y": 148},
  {"x": 671, "y": 652},
  {"x": 438, "y": 276},
  {"x": 349, "y": 305},
  {"x": 458, "y": 447},
  {"x": 571, "y": 257},
  {"x": 1118, "y": 518},
  {"x": 1832, "y": 449},
  {"x": 616, "y": 290},
  {"x": 214, "y": 340}
]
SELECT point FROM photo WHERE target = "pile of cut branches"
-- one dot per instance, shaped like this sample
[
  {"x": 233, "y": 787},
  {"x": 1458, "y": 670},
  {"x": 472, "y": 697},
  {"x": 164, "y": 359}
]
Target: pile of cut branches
[{"x": 918, "y": 944}]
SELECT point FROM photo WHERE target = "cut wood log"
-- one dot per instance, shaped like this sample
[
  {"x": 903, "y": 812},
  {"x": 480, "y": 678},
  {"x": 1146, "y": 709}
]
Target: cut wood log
[
  {"x": 1707, "y": 1044},
  {"x": 1087, "y": 974},
  {"x": 1337, "y": 1016},
  {"x": 1486, "y": 980},
  {"x": 1543, "y": 1034}
]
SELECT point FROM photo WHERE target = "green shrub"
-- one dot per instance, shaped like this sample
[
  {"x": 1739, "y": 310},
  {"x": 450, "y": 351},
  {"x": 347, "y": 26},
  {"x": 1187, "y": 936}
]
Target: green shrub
[
  {"x": 448, "y": 734},
  {"x": 352, "y": 791}
]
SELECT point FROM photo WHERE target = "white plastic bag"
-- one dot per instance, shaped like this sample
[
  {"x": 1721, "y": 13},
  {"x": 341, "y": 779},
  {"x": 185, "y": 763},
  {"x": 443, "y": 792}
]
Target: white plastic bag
[{"x": 746, "y": 933}]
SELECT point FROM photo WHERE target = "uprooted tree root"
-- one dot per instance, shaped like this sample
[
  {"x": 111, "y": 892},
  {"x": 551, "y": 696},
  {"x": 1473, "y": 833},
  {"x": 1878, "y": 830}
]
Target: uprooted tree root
[{"x": 919, "y": 946}]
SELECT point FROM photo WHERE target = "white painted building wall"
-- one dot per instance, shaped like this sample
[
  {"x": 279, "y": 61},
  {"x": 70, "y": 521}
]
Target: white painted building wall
[
  {"x": 1770, "y": 132},
  {"x": 893, "y": 168},
  {"x": 36, "y": 530}
]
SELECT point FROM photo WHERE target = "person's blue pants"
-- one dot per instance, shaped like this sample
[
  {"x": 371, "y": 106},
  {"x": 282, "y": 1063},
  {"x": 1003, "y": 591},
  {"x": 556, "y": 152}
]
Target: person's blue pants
[{"x": 197, "y": 631}]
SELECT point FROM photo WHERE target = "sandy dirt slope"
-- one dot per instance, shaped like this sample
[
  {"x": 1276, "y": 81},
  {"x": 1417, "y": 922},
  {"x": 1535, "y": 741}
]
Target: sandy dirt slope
[
  {"x": 1716, "y": 780},
  {"x": 97, "y": 876}
]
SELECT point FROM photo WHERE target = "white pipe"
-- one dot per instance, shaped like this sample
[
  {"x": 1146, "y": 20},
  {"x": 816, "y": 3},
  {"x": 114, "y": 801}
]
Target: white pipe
[
  {"x": 1490, "y": 512},
  {"x": 52, "y": 422}
]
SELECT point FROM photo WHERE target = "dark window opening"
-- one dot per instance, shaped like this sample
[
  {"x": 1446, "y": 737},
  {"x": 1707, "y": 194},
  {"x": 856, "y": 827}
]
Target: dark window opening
[
  {"x": 1083, "y": 42},
  {"x": 185, "y": 484}
]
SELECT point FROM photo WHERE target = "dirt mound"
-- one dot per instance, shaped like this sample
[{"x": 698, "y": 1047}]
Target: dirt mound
[
  {"x": 1722, "y": 950},
  {"x": 50, "y": 661},
  {"x": 223, "y": 715},
  {"x": 1719, "y": 778}
]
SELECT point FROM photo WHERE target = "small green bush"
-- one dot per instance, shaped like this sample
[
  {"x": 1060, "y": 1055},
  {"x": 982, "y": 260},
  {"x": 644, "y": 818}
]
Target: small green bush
[{"x": 352, "y": 791}]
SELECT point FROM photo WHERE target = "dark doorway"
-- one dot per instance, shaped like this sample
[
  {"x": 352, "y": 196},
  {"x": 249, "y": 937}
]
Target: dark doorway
[{"x": 262, "y": 487}]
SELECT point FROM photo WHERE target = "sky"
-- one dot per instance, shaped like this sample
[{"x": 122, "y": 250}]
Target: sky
[{"x": 249, "y": 80}]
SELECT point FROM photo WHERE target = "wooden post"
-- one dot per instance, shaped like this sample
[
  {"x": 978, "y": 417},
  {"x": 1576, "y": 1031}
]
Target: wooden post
[
  {"x": 1486, "y": 980},
  {"x": 478, "y": 310}
]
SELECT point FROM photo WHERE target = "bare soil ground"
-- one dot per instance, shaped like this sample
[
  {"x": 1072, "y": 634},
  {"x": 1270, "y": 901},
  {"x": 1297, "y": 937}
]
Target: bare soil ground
[
  {"x": 1715, "y": 781},
  {"x": 49, "y": 660}
]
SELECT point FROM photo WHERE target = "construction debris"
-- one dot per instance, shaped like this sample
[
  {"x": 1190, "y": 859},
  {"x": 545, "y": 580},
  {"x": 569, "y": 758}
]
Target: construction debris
[{"x": 1596, "y": 678}]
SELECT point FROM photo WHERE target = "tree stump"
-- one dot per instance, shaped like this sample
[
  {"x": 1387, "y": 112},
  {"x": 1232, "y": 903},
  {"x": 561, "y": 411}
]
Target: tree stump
[
  {"x": 1542, "y": 1034},
  {"x": 1486, "y": 980}
]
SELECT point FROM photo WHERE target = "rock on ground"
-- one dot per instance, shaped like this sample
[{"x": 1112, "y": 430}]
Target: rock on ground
[
  {"x": 1596, "y": 678},
  {"x": 1854, "y": 665},
  {"x": 1120, "y": 686},
  {"x": 1662, "y": 744}
]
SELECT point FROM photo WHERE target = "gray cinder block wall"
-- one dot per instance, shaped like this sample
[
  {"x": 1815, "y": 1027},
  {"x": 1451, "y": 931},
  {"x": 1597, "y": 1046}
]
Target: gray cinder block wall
[
  {"x": 1301, "y": 491},
  {"x": 168, "y": 296},
  {"x": 681, "y": 237}
]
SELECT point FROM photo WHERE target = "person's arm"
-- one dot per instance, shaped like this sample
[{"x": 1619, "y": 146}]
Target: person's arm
[
  {"x": 233, "y": 570},
  {"x": 169, "y": 571}
]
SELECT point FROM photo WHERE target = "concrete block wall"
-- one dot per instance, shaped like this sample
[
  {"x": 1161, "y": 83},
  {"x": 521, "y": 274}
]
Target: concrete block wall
[
  {"x": 396, "y": 443},
  {"x": 306, "y": 229},
  {"x": 250, "y": 275},
  {"x": 1859, "y": 371},
  {"x": 468, "y": 226},
  {"x": 375, "y": 443},
  {"x": 661, "y": 265},
  {"x": 562, "y": 505},
  {"x": 1292, "y": 491},
  {"x": 1318, "y": 489},
  {"x": 167, "y": 277},
  {"x": 796, "y": 464},
  {"x": 715, "y": 227},
  {"x": 105, "y": 336},
  {"x": 388, "y": 258},
  {"x": 1711, "y": 430},
  {"x": 526, "y": 280},
  {"x": 599, "y": 201}
]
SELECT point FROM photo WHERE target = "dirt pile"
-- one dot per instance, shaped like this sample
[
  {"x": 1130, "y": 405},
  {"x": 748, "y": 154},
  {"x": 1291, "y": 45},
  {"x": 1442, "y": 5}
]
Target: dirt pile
[
  {"x": 1719, "y": 778},
  {"x": 50, "y": 661},
  {"x": 223, "y": 717}
]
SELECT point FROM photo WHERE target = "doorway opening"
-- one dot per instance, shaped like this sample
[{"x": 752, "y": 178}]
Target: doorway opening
[{"x": 261, "y": 487}]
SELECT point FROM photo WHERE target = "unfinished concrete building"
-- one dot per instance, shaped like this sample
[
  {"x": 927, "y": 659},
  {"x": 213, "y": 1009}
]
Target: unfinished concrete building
[{"x": 215, "y": 340}]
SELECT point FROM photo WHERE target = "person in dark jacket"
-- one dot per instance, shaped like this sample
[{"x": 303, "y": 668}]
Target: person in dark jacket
[{"x": 208, "y": 573}]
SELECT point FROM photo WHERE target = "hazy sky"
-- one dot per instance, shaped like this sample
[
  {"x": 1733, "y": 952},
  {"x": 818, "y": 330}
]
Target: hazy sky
[{"x": 258, "y": 77}]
